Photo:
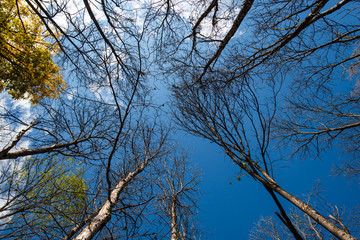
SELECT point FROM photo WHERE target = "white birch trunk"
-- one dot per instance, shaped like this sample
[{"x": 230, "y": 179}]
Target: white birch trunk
[{"x": 174, "y": 227}]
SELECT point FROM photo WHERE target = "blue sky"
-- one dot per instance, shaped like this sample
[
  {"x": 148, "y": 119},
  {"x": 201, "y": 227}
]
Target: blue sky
[{"x": 229, "y": 211}]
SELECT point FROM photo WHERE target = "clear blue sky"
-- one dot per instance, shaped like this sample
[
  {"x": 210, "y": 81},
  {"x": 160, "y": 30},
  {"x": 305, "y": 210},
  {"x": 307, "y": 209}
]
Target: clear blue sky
[{"x": 229, "y": 211}]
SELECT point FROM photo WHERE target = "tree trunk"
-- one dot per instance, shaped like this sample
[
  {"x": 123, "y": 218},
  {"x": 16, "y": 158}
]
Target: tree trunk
[
  {"x": 104, "y": 215},
  {"x": 306, "y": 208},
  {"x": 174, "y": 227}
]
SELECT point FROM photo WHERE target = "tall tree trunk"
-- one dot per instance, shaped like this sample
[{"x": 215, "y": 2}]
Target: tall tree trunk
[
  {"x": 104, "y": 215},
  {"x": 174, "y": 228},
  {"x": 306, "y": 208}
]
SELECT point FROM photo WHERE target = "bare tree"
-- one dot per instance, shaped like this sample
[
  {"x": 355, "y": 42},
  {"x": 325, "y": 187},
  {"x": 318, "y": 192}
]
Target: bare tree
[
  {"x": 142, "y": 154},
  {"x": 236, "y": 119},
  {"x": 318, "y": 62},
  {"x": 178, "y": 196},
  {"x": 269, "y": 228},
  {"x": 310, "y": 46},
  {"x": 232, "y": 98}
]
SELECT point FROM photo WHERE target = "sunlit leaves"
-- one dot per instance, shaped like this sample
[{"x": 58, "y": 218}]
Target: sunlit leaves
[
  {"x": 27, "y": 68},
  {"x": 53, "y": 199}
]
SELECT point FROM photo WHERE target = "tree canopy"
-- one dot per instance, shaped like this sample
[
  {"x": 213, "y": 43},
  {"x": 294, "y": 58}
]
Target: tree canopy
[
  {"x": 27, "y": 51},
  {"x": 42, "y": 186}
]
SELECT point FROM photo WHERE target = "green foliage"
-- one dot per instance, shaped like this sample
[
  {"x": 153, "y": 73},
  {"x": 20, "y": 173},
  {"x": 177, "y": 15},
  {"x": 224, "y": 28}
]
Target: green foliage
[
  {"x": 62, "y": 186},
  {"x": 27, "y": 69},
  {"x": 56, "y": 198}
]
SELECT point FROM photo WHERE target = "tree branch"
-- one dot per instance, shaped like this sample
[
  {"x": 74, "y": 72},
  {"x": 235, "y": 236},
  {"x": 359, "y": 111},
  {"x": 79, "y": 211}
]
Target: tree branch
[{"x": 29, "y": 152}]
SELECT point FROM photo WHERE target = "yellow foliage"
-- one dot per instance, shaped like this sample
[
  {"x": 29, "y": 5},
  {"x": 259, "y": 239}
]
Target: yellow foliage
[{"x": 27, "y": 68}]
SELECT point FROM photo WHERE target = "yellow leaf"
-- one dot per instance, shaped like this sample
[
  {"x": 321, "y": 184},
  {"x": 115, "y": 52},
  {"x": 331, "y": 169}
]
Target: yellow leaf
[{"x": 27, "y": 67}]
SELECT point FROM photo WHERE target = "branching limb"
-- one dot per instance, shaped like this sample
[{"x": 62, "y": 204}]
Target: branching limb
[{"x": 5, "y": 151}]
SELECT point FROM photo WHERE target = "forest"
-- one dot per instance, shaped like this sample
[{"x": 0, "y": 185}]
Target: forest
[{"x": 179, "y": 119}]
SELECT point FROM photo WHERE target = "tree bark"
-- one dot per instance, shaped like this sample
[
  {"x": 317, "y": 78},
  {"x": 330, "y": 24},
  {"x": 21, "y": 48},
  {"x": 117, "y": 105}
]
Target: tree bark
[
  {"x": 16, "y": 140},
  {"x": 29, "y": 152},
  {"x": 174, "y": 227},
  {"x": 104, "y": 215},
  {"x": 306, "y": 208}
]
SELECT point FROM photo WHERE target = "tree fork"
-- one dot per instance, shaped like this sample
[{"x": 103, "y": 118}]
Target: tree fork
[{"x": 283, "y": 216}]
